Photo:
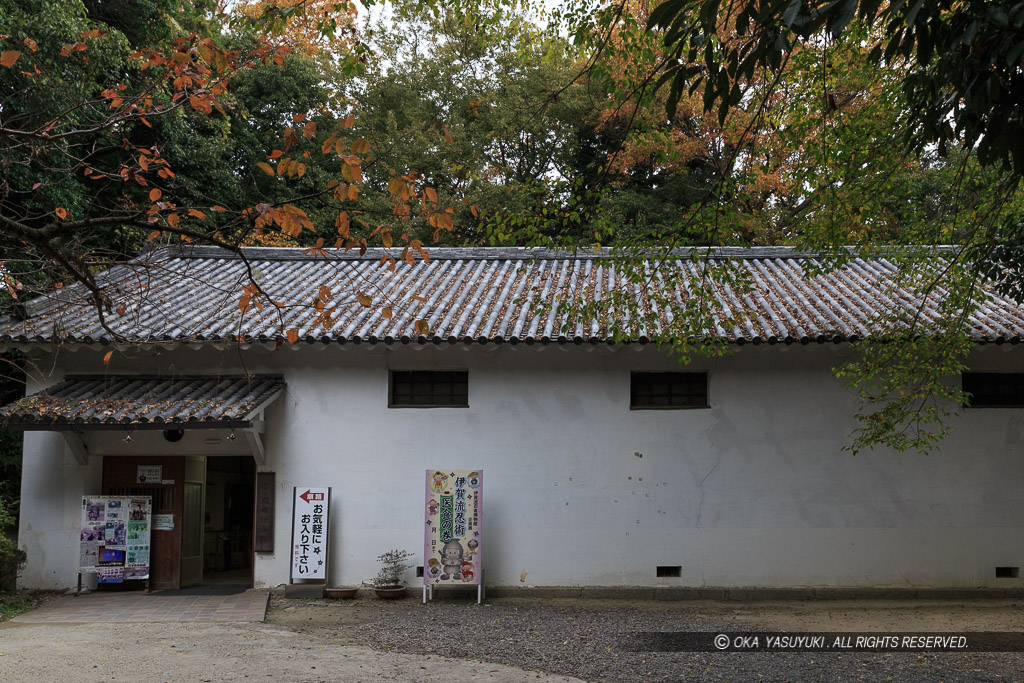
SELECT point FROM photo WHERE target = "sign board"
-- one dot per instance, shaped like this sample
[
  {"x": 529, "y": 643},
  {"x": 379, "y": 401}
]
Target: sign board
[
  {"x": 453, "y": 544},
  {"x": 264, "y": 531},
  {"x": 163, "y": 522},
  {"x": 115, "y": 537},
  {"x": 310, "y": 512},
  {"x": 148, "y": 473}
]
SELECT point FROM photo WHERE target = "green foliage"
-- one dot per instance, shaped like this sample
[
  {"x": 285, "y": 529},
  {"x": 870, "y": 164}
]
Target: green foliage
[
  {"x": 12, "y": 559},
  {"x": 392, "y": 564}
]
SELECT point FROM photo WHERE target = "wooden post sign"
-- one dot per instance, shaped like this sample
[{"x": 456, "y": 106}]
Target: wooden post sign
[
  {"x": 453, "y": 544},
  {"x": 310, "y": 512}
]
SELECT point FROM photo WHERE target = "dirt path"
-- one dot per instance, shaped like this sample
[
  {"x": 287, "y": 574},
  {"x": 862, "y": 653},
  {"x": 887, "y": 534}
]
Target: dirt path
[{"x": 511, "y": 639}]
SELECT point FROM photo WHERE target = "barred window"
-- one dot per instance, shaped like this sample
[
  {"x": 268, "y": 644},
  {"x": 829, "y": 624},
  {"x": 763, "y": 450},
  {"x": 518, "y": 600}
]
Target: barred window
[
  {"x": 993, "y": 389},
  {"x": 428, "y": 389},
  {"x": 652, "y": 390}
]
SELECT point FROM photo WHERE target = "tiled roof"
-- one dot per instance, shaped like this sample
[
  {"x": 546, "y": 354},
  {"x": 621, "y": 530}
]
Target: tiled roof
[
  {"x": 143, "y": 402},
  {"x": 493, "y": 295}
]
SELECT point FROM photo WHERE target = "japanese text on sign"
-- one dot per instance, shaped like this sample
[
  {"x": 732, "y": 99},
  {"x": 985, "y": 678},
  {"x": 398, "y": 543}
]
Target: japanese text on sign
[
  {"x": 452, "y": 545},
  {"x": 309, "y": 533}
]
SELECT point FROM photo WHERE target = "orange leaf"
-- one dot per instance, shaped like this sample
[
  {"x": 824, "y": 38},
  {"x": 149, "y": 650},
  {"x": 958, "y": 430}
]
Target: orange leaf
[
  {"x": 31, "y": 44},
  {"x": 275, "y": 154},
  {"x": 431, "y": 194},
  {"x": 386, "y": 312},
  {"x": 196, "y": 213},
  {"x": 293, "y": 335},
  {"x": 106, "y": 357},
  {"x": 364, "y": 300},
  {"x": 266, "y": 168},
  {"x": 61, "y": 213},
  {"x": 218, "y": 209},
  {"x": 360, "y": 146},
  {"x": 309, "y": 130},
  {"x": 447, "y": 135},
  {"x": 421, "y": 326},
  {"x": 9, "y": 58},
  {"x": 155, "y": 194},
  {"x": 348, "y": 121},
  {"x": 385, "y": 238}
]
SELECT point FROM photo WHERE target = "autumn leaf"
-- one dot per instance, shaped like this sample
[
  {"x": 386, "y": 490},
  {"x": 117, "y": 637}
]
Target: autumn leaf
[
  {"x": 309, "y": 130},
  {"x": 218, "y": 209},
  {"x": 421, "y": 326},
  {"x": 30, "y": 44},
  {"x": 275, "y": 154},
  {"x": 360, "y": 146},
  {"x": 386, "y": 312},
  {"x": 293, "y": 335},
  {"x": 266, "y": 168},
  {"x": 385, "y": 238},
  {"x": 196, "y": 213},
  {"x": 364, "y": 300},
  {"x": 107, "y": 356},
  {"x": 155, "y": 194},
  {"x": 61, "y": 213},
  {"x": 447, "y": 135},
  {"x": 9, "y": 58}
]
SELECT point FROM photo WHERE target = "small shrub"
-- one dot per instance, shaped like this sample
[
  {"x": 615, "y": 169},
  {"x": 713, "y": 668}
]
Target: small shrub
[
  {"x": 12, "y": 558},
  {"x": 392, "y": 564}
]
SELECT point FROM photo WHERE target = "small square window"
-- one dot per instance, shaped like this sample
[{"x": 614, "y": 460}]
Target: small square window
[
  {"x": 428, "y": 389},
  {"x": 661, "y": 390},
  {"x": 993, "y": 389}
]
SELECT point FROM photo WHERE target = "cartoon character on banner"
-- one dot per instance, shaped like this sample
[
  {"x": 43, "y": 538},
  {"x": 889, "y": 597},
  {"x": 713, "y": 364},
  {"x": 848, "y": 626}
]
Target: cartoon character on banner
[
  {"x": 432, "y": 507},
  {"x": 433, "y": 568},
  {"x": 451, "y": 558},
  {"x": 440, "y": 478},
  {"x": 471, "y": 548},
  {"x": 467, "y": 571}
]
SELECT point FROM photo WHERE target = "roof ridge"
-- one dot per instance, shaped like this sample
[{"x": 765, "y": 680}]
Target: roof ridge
[{"x": 503, "y": 253}]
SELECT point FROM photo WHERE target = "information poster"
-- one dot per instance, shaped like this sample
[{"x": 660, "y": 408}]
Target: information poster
[
  {"x": 115, "y": 537},
  {"x": 309, "y": 532},
  {"x": 454, "y": 508}
]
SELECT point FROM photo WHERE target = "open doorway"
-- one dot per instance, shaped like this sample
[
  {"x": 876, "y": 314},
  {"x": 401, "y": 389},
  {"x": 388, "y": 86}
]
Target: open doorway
[{"x": 228, "y": 520}]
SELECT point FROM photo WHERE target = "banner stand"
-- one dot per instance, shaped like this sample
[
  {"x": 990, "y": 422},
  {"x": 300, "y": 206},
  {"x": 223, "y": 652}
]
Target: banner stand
[
  {"x": 310, "y": 550},
  {"x": 453, "y": 543}
]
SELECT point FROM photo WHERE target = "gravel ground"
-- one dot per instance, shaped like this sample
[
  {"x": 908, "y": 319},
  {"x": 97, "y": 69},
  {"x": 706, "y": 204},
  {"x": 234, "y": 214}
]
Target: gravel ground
[{"x": 592, "y": 643}]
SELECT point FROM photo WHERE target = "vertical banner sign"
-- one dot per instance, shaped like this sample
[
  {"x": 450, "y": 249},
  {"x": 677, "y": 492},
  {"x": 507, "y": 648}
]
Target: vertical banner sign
[
  {"x": 264, "y": 531},
  {"x": 115, "y": 537},
  {"x": 452, "y": 546},
  {"x": 309, "y": 532}
]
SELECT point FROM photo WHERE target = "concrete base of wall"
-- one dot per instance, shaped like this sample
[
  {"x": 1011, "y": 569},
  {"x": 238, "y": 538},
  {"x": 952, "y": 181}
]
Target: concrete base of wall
[{"x": 721, "y": 594}]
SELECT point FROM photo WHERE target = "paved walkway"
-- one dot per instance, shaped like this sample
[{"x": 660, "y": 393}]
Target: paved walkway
[{"x": 159, "y": 606}]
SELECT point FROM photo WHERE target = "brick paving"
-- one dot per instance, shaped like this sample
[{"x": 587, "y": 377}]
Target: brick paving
[{"x": 158, "y": 606}]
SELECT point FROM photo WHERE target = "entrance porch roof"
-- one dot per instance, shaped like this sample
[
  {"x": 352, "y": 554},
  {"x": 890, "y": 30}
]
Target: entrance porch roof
[{"x": 81, "y": 403}]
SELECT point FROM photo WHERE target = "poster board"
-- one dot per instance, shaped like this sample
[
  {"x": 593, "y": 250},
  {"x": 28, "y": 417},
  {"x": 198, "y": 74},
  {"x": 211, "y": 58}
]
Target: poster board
[
  {"x": 115, "y": 537},
  {"x": 310, "y": 514},
  {"x": 454, "y": 512}
]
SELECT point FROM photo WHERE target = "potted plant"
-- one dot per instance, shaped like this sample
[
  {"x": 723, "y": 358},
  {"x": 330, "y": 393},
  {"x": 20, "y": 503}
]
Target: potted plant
[
  {"x": 340, "y": 593},
  {"x": 388, "y": 582}
]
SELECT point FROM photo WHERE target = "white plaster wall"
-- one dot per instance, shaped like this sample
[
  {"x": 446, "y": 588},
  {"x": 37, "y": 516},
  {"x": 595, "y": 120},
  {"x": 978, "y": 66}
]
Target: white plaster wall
[{"x": 755, "y": 491}]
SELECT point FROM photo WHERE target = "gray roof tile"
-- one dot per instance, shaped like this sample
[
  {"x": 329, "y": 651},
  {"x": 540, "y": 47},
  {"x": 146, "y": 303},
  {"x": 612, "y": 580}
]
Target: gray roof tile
[
  {"x": 83, "y": 402},
  {"x": 488, "y": 294}
]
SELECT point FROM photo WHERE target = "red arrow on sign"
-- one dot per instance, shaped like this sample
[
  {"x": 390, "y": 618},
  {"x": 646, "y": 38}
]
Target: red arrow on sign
[{"x": 309, "y": 496}]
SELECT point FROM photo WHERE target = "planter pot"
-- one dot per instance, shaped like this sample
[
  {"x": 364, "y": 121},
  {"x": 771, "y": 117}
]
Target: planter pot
[
  {"x": 340, "y": 593},
  {"x": 389, "y": 592}
]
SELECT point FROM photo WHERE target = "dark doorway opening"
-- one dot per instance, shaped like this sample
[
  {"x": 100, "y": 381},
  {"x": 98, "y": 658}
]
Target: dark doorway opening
[{"x": 228, "y": 520}]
